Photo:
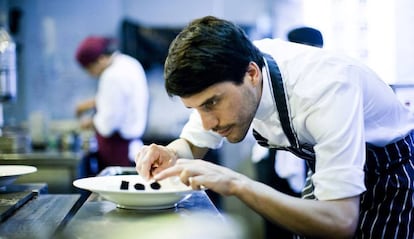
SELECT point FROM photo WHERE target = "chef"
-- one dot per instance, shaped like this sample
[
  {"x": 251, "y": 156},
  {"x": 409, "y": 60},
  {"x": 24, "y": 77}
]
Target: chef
[
  {"x": 121, "y": 101},
  {"x": 328, "y": 109}
]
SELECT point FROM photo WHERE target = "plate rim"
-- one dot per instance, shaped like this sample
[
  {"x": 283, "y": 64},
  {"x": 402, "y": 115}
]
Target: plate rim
[
  {"x": 29, "y": 169},
  {"x": 155, "y": 192}
]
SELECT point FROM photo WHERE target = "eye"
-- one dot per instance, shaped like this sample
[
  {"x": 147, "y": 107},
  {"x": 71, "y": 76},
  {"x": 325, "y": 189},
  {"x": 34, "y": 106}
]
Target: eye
[{"x": 210, "y": 104}]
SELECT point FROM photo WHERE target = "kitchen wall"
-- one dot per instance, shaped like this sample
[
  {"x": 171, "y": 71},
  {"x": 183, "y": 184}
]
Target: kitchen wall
[
  {"x": 404, "y": 35},
  {"x": 50, "y": 81}
]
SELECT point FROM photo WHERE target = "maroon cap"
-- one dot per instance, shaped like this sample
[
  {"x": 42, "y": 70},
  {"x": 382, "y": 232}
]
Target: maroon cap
[{"x": 90, "y": 49}]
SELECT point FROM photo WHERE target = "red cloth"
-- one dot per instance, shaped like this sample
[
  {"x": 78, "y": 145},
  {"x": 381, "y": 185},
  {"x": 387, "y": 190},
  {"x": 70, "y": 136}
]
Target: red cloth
[{"x": 113, "y": 151}]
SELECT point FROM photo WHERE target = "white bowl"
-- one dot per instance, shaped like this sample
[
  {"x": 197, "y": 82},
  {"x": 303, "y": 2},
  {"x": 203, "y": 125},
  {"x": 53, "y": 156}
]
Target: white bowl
[
  {"x": 9, "y": 173},
  {"x": 168, "y": 195}
]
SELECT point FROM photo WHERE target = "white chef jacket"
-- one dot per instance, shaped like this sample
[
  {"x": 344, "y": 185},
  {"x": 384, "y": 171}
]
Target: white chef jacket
[
  {"x": 122, "y": 101},
  {"x": 335, "y": 104}
]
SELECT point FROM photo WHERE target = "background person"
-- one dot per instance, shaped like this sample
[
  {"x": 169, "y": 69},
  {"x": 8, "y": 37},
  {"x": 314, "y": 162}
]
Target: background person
[
  {"x": 306, "y": 35},
  {"x": 331, "y": 110},
  {"x": 121, "y": 101}
]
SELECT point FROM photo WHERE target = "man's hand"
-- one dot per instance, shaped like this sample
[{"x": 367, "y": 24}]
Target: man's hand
[
  {"x": 86, "y": 123},
  {"x": 153, "y": 159},
  {"x": 200, "y": 174}
]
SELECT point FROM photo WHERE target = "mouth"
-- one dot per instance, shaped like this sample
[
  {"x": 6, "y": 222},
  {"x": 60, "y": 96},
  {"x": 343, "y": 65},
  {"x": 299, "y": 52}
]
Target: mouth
[{"x": 224, "y": 131}]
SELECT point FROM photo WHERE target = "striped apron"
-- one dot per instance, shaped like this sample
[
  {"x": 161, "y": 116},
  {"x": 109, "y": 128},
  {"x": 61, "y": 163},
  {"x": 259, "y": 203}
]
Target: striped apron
[{"x": 386, "y": 208}]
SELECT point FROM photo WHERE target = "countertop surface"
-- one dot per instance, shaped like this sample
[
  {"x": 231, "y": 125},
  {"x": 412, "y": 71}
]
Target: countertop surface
[
  {"x": 37, "y": 216},
  {"x": 46, "y": 157},
  {"x": 191, "y": 217},
  {"x": 90, "y": 216},
  {"x": 56, "y": 168}
]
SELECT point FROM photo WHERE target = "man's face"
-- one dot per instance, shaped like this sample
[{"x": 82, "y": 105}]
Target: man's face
[
  {"x": 96, "y": 68},
  {"x": 226, "y": 108}
]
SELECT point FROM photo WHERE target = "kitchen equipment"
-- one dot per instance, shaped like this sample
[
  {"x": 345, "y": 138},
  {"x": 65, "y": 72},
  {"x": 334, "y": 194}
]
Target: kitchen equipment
[
  {"x": 8, "y": 69},
  {"x": 7, "y": 66},
  {"x": 38, "y": 129},
  {"x": 14, "y": 140},
  {"x": 138, "y": 193}
]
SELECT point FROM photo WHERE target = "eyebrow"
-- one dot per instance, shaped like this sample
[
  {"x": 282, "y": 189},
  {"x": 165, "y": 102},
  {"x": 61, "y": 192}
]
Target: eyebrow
[{"x": 207, "y": 101}]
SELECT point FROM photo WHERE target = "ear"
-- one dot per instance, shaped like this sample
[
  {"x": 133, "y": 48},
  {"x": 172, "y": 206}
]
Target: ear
[{"x": 254, "y": 73}]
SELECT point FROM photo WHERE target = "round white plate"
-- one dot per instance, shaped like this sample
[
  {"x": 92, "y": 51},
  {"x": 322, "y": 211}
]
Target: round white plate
[
  {"x": 168, "y": 195},
  {"x": 9, "y": 173}
]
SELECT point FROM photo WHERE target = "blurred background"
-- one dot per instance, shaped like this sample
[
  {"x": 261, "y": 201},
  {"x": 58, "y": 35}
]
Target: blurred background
[
  {"x": 47, "y": 33},
  {"x": 49, "y": 82}
]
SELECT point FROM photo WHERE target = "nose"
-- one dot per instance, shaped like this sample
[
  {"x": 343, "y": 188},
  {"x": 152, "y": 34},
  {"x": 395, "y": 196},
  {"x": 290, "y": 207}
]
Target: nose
[{"x": 209, "y": 120}]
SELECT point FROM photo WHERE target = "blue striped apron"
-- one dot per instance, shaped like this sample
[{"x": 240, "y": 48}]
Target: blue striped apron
[{"x": 386, "y": 208}]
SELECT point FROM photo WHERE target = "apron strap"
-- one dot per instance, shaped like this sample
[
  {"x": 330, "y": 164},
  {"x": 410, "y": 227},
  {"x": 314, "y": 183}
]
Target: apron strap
[
  {"x": 280, "y": 99},
  {"x": 304, "y": 151}
]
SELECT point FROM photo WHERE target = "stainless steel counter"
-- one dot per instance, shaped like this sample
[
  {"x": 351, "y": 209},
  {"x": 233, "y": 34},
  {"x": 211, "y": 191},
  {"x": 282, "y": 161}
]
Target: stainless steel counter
[
  {"x": 38, "y": 214},
  {"x": 29, "y": 212},
  {"x": 57, "y": 169},
  {"x": 69, "y": 216},
  {"x": 195, "y": 217}
]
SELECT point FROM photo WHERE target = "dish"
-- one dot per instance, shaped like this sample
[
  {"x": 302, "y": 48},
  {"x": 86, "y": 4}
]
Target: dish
[
  {"x": 133, "y": 192},
  {"x": 9, "y": 173}
]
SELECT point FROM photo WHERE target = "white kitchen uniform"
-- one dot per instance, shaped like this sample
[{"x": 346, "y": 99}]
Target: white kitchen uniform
[
  {"x": 122, "y": 101},
  {"x": 316, "y": 83}
]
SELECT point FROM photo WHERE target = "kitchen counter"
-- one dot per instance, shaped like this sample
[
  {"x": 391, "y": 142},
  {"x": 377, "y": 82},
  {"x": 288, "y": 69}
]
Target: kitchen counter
[
  {"x": 57, "y": 169},
  {"x": 195, "y": 217},
  {"x": 29, "y": 211},
  {"x": 70, "y": 216}
]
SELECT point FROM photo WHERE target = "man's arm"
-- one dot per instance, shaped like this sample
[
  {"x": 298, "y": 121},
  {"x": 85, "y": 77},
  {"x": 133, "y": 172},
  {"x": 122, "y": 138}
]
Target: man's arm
[
  {"x": 185, "y": 149},
  {"x": 313, "y": 218},
  {"x": 85, "y": 106},
  {"x": 322, "y": 219}
]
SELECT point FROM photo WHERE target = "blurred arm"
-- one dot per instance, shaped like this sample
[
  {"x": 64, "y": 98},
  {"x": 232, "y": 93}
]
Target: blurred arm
[{"x": 85, "y": 106}]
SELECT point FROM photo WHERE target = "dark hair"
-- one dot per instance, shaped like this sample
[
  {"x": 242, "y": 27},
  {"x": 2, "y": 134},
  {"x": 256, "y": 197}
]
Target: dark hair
[
  {"x": 306, "y": 35},
  {"x": 208, "y": 51}
]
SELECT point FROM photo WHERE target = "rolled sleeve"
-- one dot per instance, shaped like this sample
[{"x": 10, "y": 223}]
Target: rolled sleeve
[{"x": 338, "y": 182}]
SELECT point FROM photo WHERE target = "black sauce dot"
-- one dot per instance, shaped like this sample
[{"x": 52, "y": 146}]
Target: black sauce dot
[
  {"x": 139, "y": 186},
  {"x": 124, "y": 185},
  {"x": 155, "y": 185}
]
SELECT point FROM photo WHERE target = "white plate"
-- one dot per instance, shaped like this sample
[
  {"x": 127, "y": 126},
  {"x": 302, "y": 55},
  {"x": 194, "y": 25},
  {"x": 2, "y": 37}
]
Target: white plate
[
  {"x": 168, "y": 195},
  {"x": 9, "y": 173}
]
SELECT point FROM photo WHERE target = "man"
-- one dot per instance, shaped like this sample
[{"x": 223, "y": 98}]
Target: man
[
  {"x": 121, "y": 101},
  {"x": 331, "y": 110}
]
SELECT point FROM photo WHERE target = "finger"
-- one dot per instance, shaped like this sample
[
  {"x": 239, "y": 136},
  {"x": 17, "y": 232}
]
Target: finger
[
  {"x": 150, "y": 155},
  {"x": 195, "y": 184},
  {"x": 185, "y": 177},
  {"x": 180, "y": 168},
  {"x": 169, "y": 172},
  {"x": 138, "y": 160}
]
